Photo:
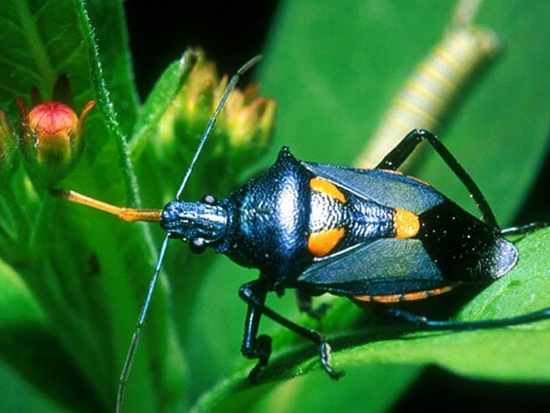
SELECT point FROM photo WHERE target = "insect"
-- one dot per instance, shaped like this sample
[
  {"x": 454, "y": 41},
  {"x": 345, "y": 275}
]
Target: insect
[
  {"x": 372, "y": 235},
  {"x": 431, "y": 89}
]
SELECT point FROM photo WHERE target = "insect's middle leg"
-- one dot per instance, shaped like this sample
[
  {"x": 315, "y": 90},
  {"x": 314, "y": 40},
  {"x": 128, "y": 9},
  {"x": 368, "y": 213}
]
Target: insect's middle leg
[
  {"x": 254, "y": 346},
  {"x": 305, "y": 305}
]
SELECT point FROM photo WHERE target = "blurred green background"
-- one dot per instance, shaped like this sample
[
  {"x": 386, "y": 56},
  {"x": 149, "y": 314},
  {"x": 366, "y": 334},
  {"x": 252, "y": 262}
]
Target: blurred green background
[{"x": 334, "y": 69}]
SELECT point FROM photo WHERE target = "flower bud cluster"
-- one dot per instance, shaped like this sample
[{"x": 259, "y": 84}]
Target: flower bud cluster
[{"x": 243, "y": 127}]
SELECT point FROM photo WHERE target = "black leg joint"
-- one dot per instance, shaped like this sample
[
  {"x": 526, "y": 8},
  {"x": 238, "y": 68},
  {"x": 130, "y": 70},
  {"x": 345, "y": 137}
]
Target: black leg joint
[
  {"x": 324, "y": 354},
  {"x": 261, "y": 350}
]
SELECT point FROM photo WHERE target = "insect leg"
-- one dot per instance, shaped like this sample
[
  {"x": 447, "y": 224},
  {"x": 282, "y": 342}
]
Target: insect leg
[
  {"x": 305, "y": 305},
  {"x": 403, "y": 150},
  {"x": 430, "y": 91},
  {"x": 423, "y": 323},
  {"x": 524, "y": 229},
  {"x": 254, "y": 346}
]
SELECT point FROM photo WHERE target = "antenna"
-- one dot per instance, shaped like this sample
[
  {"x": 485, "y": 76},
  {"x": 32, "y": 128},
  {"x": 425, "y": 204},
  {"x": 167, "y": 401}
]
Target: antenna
[
  {"x": 212, "y": 121},
  {"x": 145, "y": 308}
]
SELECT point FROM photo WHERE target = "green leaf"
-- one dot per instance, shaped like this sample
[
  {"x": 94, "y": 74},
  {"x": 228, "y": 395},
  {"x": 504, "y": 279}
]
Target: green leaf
[
  {"x": 162, "y": 95},
  {"x": 375, "y": 387},
  {"x": 112, "y": 45},
  {"x": 511, "y": 354},
  {"x": 17, "y": 300},
  {"x": 384, "y": 354}
]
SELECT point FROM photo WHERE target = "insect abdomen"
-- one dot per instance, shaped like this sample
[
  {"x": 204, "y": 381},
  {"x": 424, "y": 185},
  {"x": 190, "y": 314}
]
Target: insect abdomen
[{"x": 340, "y": 219}]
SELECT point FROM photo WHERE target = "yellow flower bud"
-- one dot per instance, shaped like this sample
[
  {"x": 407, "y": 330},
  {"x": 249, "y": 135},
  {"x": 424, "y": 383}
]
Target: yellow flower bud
[{"x": 242, "y": 130}]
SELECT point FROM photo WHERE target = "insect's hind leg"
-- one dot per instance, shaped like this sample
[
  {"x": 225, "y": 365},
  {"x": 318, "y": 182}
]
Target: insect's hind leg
[
  {"x": 524, "y": 229},
  {"x": 408, "y": 144},
  {"x": 423, "y": 323}
]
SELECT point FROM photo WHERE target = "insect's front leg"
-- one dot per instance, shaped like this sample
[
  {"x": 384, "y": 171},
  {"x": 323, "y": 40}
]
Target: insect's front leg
[{"x": 254, "y": 346}]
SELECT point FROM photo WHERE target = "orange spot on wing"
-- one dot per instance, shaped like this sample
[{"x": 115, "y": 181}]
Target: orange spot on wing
[
  {"x": 325, "y": 187},
  {"x": 406, "y": 223},
  {"x": 322, "y": 243}
]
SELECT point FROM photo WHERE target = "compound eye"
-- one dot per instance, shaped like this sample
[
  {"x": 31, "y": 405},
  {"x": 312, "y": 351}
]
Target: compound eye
[
  {"x": 197, "y": 245},
  {"x": 209, "y": 200}
]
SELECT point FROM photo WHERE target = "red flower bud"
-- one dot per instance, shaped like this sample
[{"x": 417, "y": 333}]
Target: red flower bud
[{"x": 51, "y": 138}]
